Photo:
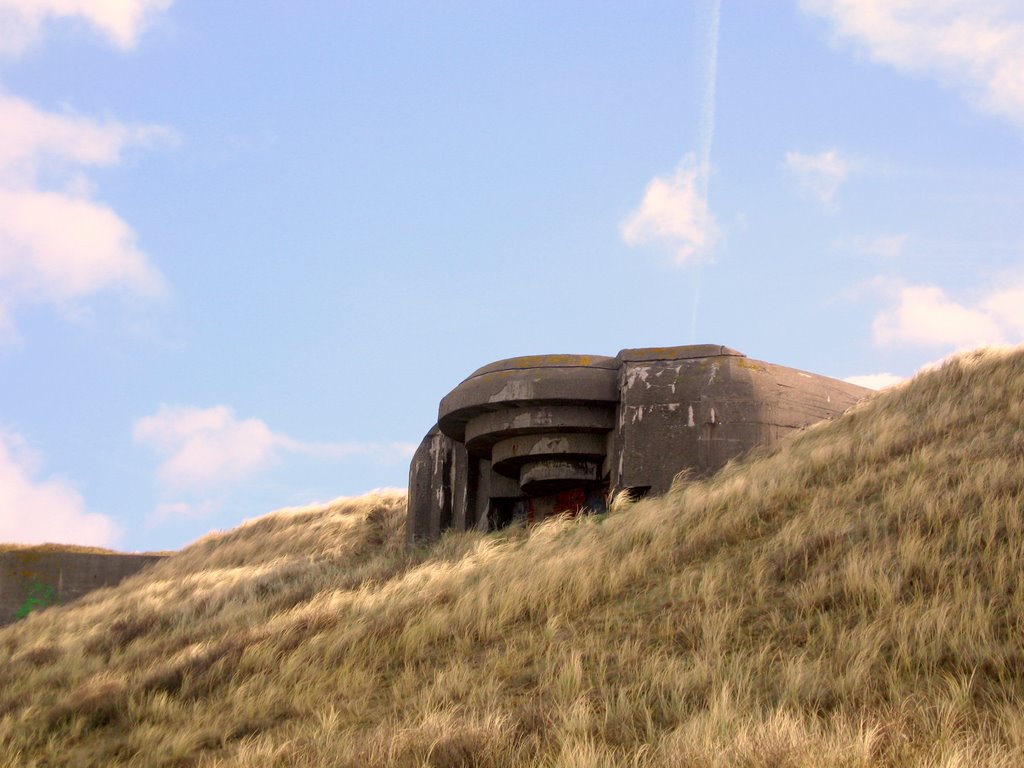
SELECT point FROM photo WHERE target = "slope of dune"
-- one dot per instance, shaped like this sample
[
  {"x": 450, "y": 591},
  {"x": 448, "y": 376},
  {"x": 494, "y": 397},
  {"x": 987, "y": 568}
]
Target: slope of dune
[{"x": 851, "y": 598}]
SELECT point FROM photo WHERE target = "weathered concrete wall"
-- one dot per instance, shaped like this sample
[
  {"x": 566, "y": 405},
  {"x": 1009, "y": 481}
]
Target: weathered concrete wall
[
  {"x": 534, "y": 436},
  {"x": 31, "y": 579},
  {"x": 698, "y": 407}
]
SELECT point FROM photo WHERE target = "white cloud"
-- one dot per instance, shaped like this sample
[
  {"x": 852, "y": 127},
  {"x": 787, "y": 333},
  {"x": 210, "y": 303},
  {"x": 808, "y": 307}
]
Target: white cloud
[
  {"x": 210, "y": 448},
  {"x": 57, "y": 245},
  {"x": 819, "y": 175},
  {"x": 876, "y": 380},
  {"x": 37, "y": 511},
  {"x": 207, "y": 447},
  {"x": 674, "y": 213},
  {"x": 1006, "y": 306},
  {"x": 56, "y": 248},
  {"x": 925, "y": 316},
  {"x": 121, "y": 21},
  {"x": 31, "y": 138},
  {"x": 976, "y": 46}
]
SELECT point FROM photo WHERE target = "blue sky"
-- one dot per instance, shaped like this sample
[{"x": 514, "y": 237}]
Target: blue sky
[{"x": 244, "y": 253}]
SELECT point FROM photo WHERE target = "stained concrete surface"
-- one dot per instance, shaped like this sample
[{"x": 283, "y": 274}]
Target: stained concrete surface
[
  {"x": 547, "y": 434},
  {"x": 33, "y": 578}
]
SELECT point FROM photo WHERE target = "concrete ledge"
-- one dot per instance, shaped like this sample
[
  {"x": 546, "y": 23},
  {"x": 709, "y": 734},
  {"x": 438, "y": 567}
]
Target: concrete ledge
[
  {"x": 688, "y": 352},
  {"x": 542, "y": 477},
  {"x": 546, "y": 361},
  {"x": 483, "y": 431},
  {"x": 508, "y": 455},
  {"x": 499, "y": 389}
]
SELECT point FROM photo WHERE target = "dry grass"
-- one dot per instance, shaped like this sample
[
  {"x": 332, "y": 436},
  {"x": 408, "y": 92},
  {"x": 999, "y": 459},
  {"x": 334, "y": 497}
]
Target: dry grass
[
  {"x": 75, "y": 548},
  {"x": 851, "y": 599},
  {"x": 55, "y": 548}
]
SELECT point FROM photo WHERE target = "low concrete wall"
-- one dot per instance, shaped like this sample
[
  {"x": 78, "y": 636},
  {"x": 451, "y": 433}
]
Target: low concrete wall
[{"x": 31, "y": 579}]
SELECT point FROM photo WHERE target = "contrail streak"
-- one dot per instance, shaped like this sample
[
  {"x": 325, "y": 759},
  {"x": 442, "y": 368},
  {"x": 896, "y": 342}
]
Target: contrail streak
[{"x": 706, "y": 133}]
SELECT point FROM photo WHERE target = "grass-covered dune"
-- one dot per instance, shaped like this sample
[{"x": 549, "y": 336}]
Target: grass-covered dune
[{"x": 852, "y": 598}]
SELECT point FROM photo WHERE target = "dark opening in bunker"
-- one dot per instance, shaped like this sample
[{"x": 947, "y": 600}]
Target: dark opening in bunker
[
  {"x": 588, "y": 498},
  {"x": 503, "y": 512},
  {"x": 637, "y": 492}
]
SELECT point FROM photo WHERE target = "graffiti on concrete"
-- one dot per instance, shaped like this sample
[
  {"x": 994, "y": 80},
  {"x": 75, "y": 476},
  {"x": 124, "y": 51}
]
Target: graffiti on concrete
[{"x": 40, "y": 595}]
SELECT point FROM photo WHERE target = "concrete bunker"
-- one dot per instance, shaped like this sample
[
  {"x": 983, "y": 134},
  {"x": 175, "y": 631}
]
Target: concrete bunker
[
  {"x": 530, "y": 437},
  {"x": 35, "y": 577}
]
